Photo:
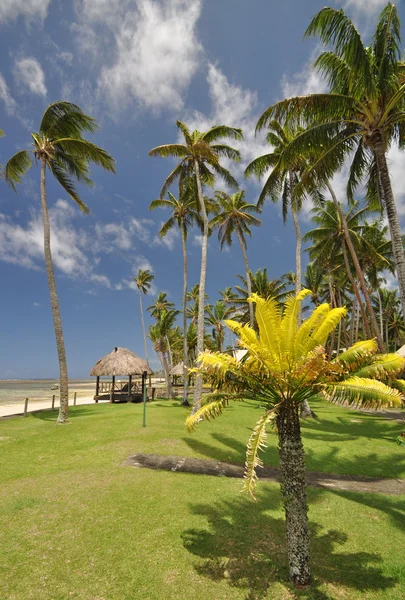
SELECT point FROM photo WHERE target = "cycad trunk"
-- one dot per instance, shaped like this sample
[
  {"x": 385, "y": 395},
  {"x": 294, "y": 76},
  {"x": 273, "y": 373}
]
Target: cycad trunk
[
  {"x": 359, "y": 272},
  {"x": 293, "y": 489},
  {"x": 201, "y": 297},
  {"x": 143, "y": 328},
  {"x": 57, "y": 322},
  {"x": 185, "y": 345},
  {"x": 248, "y": 280},
  {"x": 392, "y": 215}
]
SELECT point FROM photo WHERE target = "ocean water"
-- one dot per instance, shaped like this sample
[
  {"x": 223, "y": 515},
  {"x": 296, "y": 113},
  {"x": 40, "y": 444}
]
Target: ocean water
[{"x": 15, "y": 391}]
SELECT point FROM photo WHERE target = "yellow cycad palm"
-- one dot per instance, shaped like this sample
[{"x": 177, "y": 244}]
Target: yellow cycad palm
[{"x": 286, "y": 364}]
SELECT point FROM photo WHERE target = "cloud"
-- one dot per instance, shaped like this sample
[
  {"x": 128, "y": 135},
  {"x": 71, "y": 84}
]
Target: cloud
[
  {"x": 169, "y": 240},
  {"x": 28, "y": 74},
  {"x": 7, "y": 98},
  {"x": 24, "y": 245},
  {"x": 28, "y": 9},
  {"x": 369, "y": 7},
  {"x": 153, "y": 45},
  {"x": 36, "y": 304},
  {"x": 234, "y": 106},
  {"x": 197, "y": 240}
]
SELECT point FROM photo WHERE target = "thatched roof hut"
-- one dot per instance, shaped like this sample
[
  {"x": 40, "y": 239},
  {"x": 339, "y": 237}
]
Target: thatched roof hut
[
  {"x": 120, "y": 361},
  {"x": 177, "y": 369}
]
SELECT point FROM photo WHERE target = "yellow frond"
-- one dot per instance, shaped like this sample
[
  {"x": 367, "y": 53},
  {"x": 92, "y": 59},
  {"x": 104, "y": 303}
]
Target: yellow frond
[
  {"x": 303, "y": 343},
  {"x": 365, "y": 393},
  {"x": 383, "y": 366},
  {"x": 257, "y": 442},
  {"x": 289, "y": 322},
  {"x": 354, "y": 356},
  {"x": 248, "y": 339},
  {"x": 268, "y": 316},
  {"x": 325, "y": 327},
  {"x": 208, "y": 411}
]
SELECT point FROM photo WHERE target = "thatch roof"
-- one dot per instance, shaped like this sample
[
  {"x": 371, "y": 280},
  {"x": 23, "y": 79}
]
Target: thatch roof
[
  {"x": 177, "y": 369},
  {"x": 120, "y": 361}
]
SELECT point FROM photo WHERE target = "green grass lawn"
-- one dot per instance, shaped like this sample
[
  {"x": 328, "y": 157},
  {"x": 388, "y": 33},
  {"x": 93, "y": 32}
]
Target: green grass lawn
[{"x": 76, "y": 524}]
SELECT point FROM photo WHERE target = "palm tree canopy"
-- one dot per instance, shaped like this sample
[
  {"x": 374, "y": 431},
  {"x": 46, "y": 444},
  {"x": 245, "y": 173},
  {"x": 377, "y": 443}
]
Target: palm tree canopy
[
  {"x": 61, "y": 144},
  {"x": 235, "y": 215},
  {"x": 183, "y": 210},
  {"x": 143, "y": 280},
  {"x": 206, "y": 149},
  {"x": 161, "y": 305},
  {"x": 366, "y": 101},
  {"x": 286, "y": 362}
]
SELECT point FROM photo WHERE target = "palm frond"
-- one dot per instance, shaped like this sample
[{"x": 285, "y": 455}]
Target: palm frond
[
  {"x": 177, "y": 150},
  {"x": 65, "y": 119},
  {"x": 257, "y": 442},
  {"x": 221, "y": 131},
  {"x": 16, "y": 167},
  {"x": 355, "y": 355},
  {"x": 365, "y": 393},
  {"x": 87, "y": 150},
  {"x": 67, "y": 184},
  {"x": 185, "y": 131},
  {"x": 208, "y": 411},
  {"x": 383, "y": 366}
]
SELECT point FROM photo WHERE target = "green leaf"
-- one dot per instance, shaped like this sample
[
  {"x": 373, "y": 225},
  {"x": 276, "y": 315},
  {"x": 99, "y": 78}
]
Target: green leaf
[
  {"x": 221, "y": 131},
  {"x": 85, "y": 150},
  {"x": 16, "y": 167},
  {"x": 367, "y": 393},
  {"x": 67, "y": 184},
  {"x": 65, "y": 119}
]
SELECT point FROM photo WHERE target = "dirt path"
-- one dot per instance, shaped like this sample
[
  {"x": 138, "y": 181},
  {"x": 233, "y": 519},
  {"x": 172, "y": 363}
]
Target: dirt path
[{"x": 391, "y": 487}]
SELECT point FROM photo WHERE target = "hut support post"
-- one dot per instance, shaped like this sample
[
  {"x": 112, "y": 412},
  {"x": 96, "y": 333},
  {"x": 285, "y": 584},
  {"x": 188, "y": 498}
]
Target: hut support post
[
  {"x": 98, "y": 385},
  {"x": 112, "y": 389},
  {"x": 144, "y": 375},
  {"x": 129, "y": 388}
]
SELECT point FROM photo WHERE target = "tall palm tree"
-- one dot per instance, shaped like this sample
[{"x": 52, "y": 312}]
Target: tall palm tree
[
  {"x": 281, "y": 180},
  {"x": 362, "y": 115},
  {"x": 284, "y": 364},
  {"x": 143, "y": 280},
  {"x": 200, "y": 157},
  {"x": 263, "y": 286},
  {"x": 59, "y": 147},
  {"x": 183, "y": 214},
  {"x": 235, "y": 216},
  {"x": 162, "y": 303}
]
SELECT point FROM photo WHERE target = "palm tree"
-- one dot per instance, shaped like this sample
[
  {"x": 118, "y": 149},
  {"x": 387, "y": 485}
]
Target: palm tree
[
  {"x": 59, "y": 146},
  {"x": 159, "y": 334},
  {"x": 143, "y": 281},
  {"x": 216, "y": 316},
  {"x": 361, "y": 116},
  {"x": 281, "y": 181},
  {"x": 235, "y": 217},
  {"x": 263, "y": 286},
  {"x": 284, "y": 365},
  {"x": 183, "y": 214},
  {"x": 200, "y": 157},
  {"x": 162, "y": 303}
]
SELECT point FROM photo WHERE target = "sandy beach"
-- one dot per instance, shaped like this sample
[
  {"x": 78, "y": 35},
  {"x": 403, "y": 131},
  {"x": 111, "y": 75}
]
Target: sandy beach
[{"x": 18, "y": 409}]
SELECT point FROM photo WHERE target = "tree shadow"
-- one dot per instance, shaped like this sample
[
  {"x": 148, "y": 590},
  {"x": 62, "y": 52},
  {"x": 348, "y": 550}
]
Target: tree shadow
[
  {"x": 245, "y": 546},
  {"x": 74, "y": 412}
]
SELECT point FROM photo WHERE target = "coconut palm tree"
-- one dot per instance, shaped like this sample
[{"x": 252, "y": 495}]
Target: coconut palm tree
[
  {"x": 183, "y": 214},
  {"x": 200, "y": 157},
  {"x": 235, "y": 216},
  {"x": 361, "y": 117},
  {"x": 216, "y": 316},
  {"x": 281, "y": 181},
  {"x": 162, "y": 303},
  {"x": 159, "y": 335},
  {"x": 60, "y": 148},
  {"x": 285, "y": 364},
  {"x": 143, "y": 280}
]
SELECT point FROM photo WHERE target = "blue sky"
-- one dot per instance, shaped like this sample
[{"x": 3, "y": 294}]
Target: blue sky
[{"x": 137, "y": 66}]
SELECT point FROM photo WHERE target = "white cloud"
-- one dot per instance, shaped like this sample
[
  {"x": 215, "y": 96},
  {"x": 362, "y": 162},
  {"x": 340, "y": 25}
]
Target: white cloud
[
  {"x": 197, "y": 240},
  {"x": 306, "y": 81},
  {"x": 141, "y": 229},
  {"x": 29, "y": 9},
  {"x": 234, "y": 106},
  {"x": 24, "y": 245},
  {"x": 28, "y": 74},
  {"x": 7, "y": 98},
  {"x": 367, "y": 6},
  {"x": 36, "y": 304},
  {"x": 153, "y": 45},
  {"x": 168, "y": 240}
]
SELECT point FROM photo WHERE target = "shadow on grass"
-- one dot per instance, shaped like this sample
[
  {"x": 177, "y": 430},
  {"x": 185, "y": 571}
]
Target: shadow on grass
[
  {"x": 245, "y": 546},
  {"x": 351, "y": 426},
  {"x": 74, "y": 412},
  {"x": 392, "y": 506}
]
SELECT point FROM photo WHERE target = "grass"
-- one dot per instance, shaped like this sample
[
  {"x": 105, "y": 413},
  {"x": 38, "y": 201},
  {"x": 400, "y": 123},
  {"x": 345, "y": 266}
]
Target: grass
[{"x": 76, "y": 524}]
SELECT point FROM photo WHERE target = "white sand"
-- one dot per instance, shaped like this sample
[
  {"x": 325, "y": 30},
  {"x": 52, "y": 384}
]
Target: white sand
[{"x": 18, "y": 409}]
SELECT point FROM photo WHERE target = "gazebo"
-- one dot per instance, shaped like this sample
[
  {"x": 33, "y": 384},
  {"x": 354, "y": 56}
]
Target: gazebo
[
  {"x": 120, "y": 361},
  {"x": 177, "y": 371}
]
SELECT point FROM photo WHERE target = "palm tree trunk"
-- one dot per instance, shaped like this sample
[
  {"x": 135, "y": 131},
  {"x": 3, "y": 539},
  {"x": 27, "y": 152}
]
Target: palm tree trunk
[
  {"x": 248, "y": 280},
  {"x": 298, "y": 246},
  {"x": 359, "y": 272},
  {"x": 185, "y": 401},
  {"x": 201, "y": 298},
  {"x": 381, "y": 312},
  {"x": 353, "y": 318},
  {"x": 167, "y": 376},
  {"x": 57, "y": 321},
  {"x": 392, "y": 214},
  {"x": 293, "y": 489},
  {"x": 143, "y": 329},
  {"x": 339, "y": 340},
  {"x": 357, "y": 322},
  {"x": 356, "y": 292}
]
